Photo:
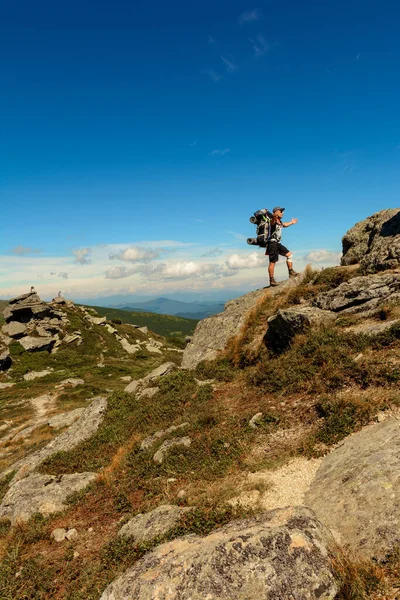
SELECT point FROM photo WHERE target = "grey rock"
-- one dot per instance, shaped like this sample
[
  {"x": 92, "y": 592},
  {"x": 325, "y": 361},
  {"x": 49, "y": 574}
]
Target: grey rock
[
  {"x": 126, "y": 378},
  {"x": 356, "y": 491},
  {"x": 166, "y": 446},
  {"x": 45, "y": 494},
  {"x": 59, "y": 300},
  {"x": 148, "y": 392},
  {"x": 81, "y": 430},
  {"x": 71, "y": 534},
  {"x": 285, "y": 324},
  {"x": 255, "y": 420},
  {"x": 58, "y": 534},
  {"x": 149, "y": 441},
  {"x": 65, "y": 419},
  {"x": 5, "y": 359},
  {"x": 146, "y": 527},
  {"x": 373, "y": 328},
  {"x": 361, "y": 294},
  {"x": 37, "y": 344},
  {"x": 14, "y": 329},
  {"x": 279, "y": 555},
  {"x": 374, "y": 242},
  {"x": 212, "y": 333},
  {"x": 143, "y": 330},
  {"x": 129, "y": 348},
  {"x": 132, "y": 386},
  {"x": 35, "y": 374},
  {"x": 145, "y": 382},
  {"x": 153, "y": 349}
]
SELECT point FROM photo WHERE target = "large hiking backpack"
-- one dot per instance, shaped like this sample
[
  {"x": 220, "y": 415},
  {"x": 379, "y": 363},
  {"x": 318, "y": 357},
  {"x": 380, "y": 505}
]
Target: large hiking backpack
[{"x": 262, "y": 220}]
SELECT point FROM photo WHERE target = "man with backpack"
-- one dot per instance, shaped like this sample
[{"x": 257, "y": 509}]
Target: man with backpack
[{"x": 274, "y": 247}]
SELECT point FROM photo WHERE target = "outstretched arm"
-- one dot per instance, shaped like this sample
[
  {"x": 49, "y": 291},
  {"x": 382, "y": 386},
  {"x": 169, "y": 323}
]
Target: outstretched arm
[{"x": 289, "y": 223}]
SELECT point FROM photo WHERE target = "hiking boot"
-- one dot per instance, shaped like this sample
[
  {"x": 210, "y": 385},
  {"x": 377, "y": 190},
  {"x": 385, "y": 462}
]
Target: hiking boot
[
  {"x": 293, "y": 273},
  {"x": 273, "y": 283}
]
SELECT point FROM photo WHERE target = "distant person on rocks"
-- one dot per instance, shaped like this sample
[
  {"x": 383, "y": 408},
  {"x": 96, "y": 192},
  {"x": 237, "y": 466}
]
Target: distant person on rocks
[
  {"x": 275, "y": 248},
  {"x": 33, "y": 291}
]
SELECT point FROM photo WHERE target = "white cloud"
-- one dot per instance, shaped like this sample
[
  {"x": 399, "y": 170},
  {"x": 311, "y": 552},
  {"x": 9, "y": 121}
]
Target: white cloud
[
  {"x": 23, "y": 250},
  {"x": 220, "y": 152},
  {"x": 260, "y": 46},
  {"x": 212, "y": 252},
  {"x": 82, "y": 256},
  {"x": 249, "y": 16},
  {"x": 63, "y": 275},
  {"x": 120, "y": 272},
  {"x": 231, "y": 67},
  {"x": 245, "y": 261},
  {"x": 135, "y": 254},
  {"x": 194, "y": 143},
  {"x": 323, "y": 256}
]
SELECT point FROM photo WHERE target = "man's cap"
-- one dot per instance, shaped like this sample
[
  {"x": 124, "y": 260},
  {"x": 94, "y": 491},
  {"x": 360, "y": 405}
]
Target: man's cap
[{"x": 277, "y": 208}]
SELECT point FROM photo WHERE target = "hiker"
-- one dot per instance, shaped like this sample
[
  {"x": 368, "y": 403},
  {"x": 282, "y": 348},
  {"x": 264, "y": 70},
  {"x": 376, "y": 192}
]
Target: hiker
[{"x": 274, "y": 246}]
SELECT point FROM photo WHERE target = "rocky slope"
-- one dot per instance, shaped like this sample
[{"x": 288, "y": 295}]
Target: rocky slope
[{"x": 251, "y": 472}]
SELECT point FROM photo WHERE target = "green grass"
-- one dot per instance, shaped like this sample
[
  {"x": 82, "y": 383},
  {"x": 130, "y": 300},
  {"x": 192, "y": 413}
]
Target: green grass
[{"x": 165, "y": 325}]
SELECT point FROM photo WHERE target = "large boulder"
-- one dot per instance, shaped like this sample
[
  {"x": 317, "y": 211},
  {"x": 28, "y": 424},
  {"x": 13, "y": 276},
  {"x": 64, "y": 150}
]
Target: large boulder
[
  {"x": 374, "y": 242},
  {"x": 277, "y": 555},
  {"x": 285, "y": 324},
  {"x": 361, "y": 294},
  {"x": 45, "y": 494},
  {"x": 37, "y": 344},
  {"x": 356, "y": 491},
  {"x": 212, "y": 333},
  {"x": 14, "y": 329}
]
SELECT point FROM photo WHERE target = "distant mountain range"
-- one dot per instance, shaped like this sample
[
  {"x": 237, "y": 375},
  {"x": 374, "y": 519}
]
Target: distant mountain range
[{"x": 166, "y": 306}]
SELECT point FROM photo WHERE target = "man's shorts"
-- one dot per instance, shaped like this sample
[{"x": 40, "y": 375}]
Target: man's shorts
[{"x": 274, "y": 249}]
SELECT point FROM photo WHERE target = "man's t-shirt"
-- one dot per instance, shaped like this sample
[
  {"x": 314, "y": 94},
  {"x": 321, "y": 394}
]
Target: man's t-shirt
[{"x": 276, "y": 232}]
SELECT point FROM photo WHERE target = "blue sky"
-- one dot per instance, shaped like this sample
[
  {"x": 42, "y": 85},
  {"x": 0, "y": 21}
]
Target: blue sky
[{"x": 137, "y": 138}]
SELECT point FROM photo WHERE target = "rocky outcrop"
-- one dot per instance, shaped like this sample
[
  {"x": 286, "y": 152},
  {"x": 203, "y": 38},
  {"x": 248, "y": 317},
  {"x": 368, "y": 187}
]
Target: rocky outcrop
[
  {"x": 285, "y": 324},
  {"x": 361, "y": 294},
  {"x": 34, "y": 323},
  {"x": 356, "y": 492},
  {"x": 212, "y": 334},
  {"x": 25, "y": 308},
  {"x": 81, "y": 430},
  {"x": 146, "y": 527},
  {"x": 279, "y": 555},
  {"x": 374, "y": 242},
  {"x": 45, "y": 494}
]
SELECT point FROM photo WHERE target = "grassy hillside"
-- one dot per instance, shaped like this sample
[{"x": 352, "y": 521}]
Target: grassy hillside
[
  {"x": 327, "y": 384},
  {"x": 165, "y": 325}
]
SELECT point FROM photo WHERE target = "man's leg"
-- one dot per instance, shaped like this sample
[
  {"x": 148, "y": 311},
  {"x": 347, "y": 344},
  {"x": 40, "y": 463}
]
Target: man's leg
[
  {"x": 273, "y": 257},
  {"x": 289, "y": 262}
]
